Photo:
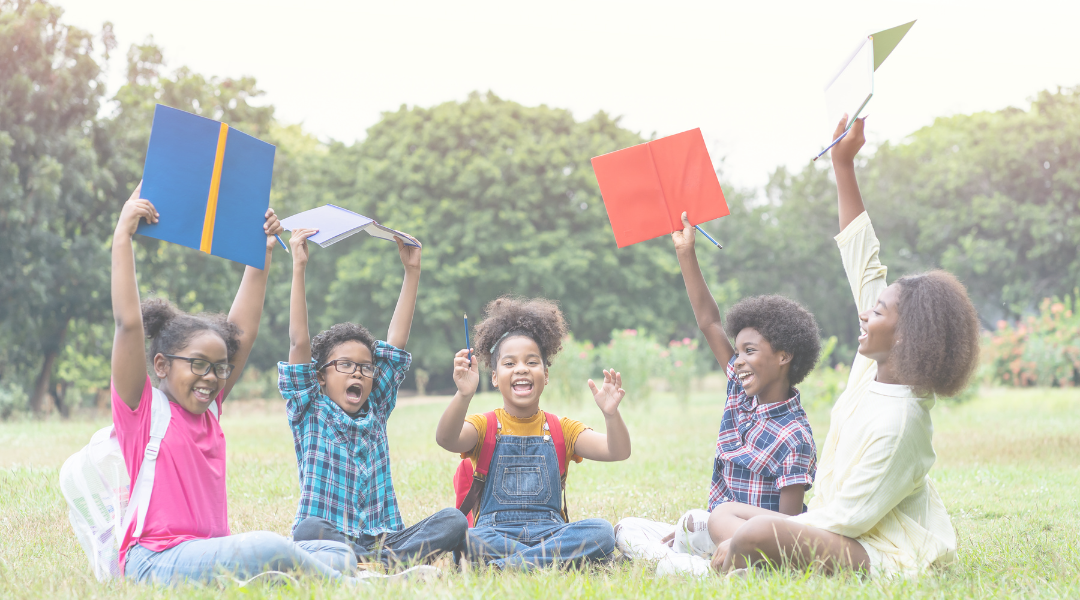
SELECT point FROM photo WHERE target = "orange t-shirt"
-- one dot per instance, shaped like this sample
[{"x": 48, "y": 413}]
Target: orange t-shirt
[{"x": 533, "y": 425}]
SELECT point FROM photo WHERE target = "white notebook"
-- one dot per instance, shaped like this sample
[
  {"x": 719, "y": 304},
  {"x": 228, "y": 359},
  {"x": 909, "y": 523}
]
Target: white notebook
[{"x": 335, "y": 224}]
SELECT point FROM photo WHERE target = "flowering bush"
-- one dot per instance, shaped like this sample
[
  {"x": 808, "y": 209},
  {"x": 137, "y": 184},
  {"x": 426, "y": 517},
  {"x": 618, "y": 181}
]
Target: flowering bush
[
  {"x": 571, "y": 370},
  {"x": 636, "y": 355},
  {"x": 1042, "y": 349},
  {"x": 679, "y": 362},
  {"x": 824, "y": 384}
]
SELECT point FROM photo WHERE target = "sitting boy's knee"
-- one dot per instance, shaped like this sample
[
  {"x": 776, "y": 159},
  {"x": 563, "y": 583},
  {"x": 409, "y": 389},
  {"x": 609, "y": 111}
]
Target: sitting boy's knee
[
  {"x": 600, "y": 532},
  {"x": 314, "y": 528},
  {"x": 452, "y": 521}
]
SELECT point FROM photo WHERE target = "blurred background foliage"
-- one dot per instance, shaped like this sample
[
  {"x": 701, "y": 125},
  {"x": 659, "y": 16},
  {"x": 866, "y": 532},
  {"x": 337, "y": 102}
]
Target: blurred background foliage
[{"x": 505, "y": 201}]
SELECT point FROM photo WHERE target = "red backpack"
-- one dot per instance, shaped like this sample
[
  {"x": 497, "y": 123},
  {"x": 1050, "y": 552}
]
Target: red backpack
[{"x": 469, "y": 485}]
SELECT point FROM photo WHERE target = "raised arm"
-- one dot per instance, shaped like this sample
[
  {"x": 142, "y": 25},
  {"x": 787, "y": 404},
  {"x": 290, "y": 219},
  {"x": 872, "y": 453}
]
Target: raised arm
[
  {"x": 247, "y": 307},
  {"x": 299, "y": 334},
  {"x": 615, "y": 444},
  {"x": 401, "y": 322},
  {"x": 843, "y": 160},
  {"x": 128, "y": 353},
  {"x": 453, "y": 433},
  {"x": 706, "y": 311}
]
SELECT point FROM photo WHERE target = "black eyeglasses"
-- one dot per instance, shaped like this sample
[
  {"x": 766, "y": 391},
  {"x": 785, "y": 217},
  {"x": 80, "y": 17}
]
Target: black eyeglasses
[
  {"x": 201, "y": 366},
  {"x": 349, "y": 367}
]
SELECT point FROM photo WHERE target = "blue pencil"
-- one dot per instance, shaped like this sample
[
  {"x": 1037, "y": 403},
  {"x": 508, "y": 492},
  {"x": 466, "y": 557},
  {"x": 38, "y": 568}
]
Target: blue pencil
[
  {"x": 709, "y": 236},
  {"x": 834, "y": 142},
  {"x": 467, "y": 338},
  {"x": 282, "y": 244}
]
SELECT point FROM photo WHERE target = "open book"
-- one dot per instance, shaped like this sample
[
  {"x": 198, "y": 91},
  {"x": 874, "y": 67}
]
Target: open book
[
  {"x": 647, "y": 187},
  {"x": 850, "y": 89},
  {"x": 335, "y": 224}
]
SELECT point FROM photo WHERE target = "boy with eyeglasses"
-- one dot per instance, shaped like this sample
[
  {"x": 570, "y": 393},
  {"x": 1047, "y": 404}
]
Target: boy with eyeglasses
[{"x": 340, "y": 389}]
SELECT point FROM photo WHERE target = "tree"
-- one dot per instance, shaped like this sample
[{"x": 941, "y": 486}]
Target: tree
[
  {"x": 54, "y": 206},
  {"x": 504, "y": 199}
]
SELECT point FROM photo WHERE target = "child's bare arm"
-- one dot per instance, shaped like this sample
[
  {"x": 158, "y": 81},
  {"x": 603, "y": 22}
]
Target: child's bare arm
[
  {"x": 791, "y": 499},
  {"x": 706, "y": 311},
  {"x": 615, "y": 444},
  {"x": 247, "y": 307},
  {"x": 128, "y": 359},
  {"x": 843, "y": 159},
  {"x": 401, "y": 322},
  {"x": 299, "y": 334},
  {"x": 454, "y": 433}
]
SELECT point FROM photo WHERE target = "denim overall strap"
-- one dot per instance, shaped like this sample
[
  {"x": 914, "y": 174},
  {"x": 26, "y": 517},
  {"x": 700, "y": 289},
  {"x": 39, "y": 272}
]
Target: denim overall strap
[{"x": 523, "y": 483}]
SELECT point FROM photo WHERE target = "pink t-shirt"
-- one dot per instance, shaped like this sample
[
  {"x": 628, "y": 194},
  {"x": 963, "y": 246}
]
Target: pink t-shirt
[{"x": 188, "y": 501}]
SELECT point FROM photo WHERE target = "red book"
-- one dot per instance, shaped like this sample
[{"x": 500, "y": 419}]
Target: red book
[{"x": 647, "y": 187}]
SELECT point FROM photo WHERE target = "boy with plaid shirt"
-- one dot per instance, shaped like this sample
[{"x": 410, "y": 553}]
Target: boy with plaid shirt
[
  {"x": 765, "y": 454},
  {"x": 340, "y": 389}
]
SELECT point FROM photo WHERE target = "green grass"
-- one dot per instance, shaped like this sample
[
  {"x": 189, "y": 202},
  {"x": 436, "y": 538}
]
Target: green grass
[{"x": 1008, "y": 469}]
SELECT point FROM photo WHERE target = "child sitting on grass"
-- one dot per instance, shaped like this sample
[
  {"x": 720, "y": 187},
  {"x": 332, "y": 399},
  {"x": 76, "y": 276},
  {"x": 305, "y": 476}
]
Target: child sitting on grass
[
  {"x": 522, "y": 521},
  {"x": 185, "y": 532},
  {"x": 875, "y": 509},
  {"x": 340, "y": 389},
  {"x": 765, "y": 454}
]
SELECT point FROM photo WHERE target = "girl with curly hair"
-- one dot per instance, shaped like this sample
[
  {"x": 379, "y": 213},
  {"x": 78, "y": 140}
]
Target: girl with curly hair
[
  {"x": 183, "y": 535},
  {"x": 521, "y": 518},
  {"x": 875, "y": 510}
]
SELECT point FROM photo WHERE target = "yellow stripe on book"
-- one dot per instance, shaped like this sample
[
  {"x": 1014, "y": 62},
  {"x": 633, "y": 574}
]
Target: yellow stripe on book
[{"x": 211, "y": 200}]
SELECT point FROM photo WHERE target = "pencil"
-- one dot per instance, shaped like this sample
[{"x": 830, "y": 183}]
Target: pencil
[
  {"x": 709, "y": 236},
  {"x": 282, "y": 244},
  {"x": 467, "y": 346}
]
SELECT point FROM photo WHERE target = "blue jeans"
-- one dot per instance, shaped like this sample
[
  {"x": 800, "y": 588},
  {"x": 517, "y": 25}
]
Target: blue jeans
[
  {"x": 239, "y": 556},
  {"x": 523, "y": 545},
  {"x": 442, "y": 532}
]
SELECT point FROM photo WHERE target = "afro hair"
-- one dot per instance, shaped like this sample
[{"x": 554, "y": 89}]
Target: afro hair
[
  {"x": 324, "y": 343},
  {"x": 535, "y": 318},
  {"x": 169, "y": 329},
  {"x": 785, "y": 324},
  {"x": 938, "y": 332}
]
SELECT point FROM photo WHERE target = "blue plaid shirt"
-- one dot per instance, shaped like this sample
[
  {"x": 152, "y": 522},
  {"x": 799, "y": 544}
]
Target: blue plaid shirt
[
  {"x": 344, "y": 463},
  {"x": 761, "y": 449}
]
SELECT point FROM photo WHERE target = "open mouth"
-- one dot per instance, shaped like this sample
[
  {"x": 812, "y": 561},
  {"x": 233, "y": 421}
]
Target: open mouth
[
  {"x": 203, "y": 394},
  {"x": 354, "y": 392},
  {"x": 521, "y": 387},
  {"x": 862, "y": 334},
  {"x": 745, "y": 377}
]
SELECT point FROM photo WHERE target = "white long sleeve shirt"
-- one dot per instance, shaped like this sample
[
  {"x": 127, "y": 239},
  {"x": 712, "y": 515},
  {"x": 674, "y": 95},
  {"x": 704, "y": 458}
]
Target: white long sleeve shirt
[{"x": 872, "y": 482}]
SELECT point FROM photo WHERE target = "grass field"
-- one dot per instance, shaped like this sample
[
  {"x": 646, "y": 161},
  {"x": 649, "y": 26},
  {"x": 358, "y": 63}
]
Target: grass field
[{"x": 1008, "y": 469}]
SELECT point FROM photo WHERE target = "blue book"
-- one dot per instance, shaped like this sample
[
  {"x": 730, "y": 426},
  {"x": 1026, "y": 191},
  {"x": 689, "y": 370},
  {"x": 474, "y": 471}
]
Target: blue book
[
  {"x": 211, "y": 185},
  {"x": 335, "y": 224}
]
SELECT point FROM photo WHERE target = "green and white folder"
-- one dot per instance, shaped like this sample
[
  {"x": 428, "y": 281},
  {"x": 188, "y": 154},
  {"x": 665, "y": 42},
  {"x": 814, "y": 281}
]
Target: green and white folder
[{"x": 852, "y": 87}]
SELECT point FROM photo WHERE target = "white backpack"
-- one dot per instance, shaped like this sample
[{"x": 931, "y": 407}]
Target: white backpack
[{"x": 101, "y": 500}]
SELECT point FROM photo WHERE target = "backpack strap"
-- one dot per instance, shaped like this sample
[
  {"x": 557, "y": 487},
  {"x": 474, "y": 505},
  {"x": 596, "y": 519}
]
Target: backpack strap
[
  {"x": 488, "y": 448},
  {"x": 553, "y": 425},
  {"x": 470, "y": 505},
  {"x": 160, "y": 415}
]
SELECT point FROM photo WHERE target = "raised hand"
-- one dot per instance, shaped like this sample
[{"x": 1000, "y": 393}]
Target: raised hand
[
  {"x": 684, "y": 240},
  {"x": 410, "y": 255},
  {"x": 272, "y": 227},
  {"x": 298, "y": 242},
  {"x": 135, "y": 209},
  {"x": 466, "y": 374},
  {"x": 846, "y": 149},
  {"x": 610, "y": 394}
]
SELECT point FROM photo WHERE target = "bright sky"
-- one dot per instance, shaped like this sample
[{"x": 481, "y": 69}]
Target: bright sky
[{"x": 749, "y": 74}]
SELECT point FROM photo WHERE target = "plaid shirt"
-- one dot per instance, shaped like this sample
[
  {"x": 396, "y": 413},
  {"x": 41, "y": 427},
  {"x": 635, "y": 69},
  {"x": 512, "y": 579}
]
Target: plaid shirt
[
  {"x": 761, "y": 449},
  {"x": 344, "y": 463}
]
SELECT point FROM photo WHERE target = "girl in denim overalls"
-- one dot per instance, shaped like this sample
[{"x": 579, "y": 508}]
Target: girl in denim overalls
[{"x": 521, "y": 520}]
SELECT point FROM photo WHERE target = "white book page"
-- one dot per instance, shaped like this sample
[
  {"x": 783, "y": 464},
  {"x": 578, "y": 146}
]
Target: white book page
[
  {"x": 853, "y": 85},
  {"x": 385, "y": 233}
]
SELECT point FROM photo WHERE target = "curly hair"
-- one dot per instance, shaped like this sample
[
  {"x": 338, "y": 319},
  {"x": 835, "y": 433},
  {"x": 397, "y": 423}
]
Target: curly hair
[
  {"x": 169, "y": 329},
  {"x": 534, "y": 318},
  {"x": 325, "y": 342},
  {"x": 938, "y": 332},
  {"x": 785, "y": 324}
]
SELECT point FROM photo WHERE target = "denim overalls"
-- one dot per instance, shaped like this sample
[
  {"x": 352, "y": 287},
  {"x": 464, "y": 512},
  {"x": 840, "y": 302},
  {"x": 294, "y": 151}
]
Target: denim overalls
[{"x": 520, "y": 524}]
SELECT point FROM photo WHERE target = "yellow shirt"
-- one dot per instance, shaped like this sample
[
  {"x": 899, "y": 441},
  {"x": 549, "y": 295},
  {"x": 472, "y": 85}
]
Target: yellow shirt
[
  {"x": 872, "y": 482},
  {"x": 533, "y": 425}
]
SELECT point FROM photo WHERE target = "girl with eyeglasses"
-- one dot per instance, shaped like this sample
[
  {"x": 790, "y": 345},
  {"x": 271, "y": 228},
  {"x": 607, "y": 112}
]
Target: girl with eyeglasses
[{"x": 185, "y": 534}]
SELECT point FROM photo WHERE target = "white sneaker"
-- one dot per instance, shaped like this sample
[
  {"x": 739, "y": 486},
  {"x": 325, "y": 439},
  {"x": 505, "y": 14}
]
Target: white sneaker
[
  {"x": 683, "y": 564},
  {"x": 692, "y": 534}
]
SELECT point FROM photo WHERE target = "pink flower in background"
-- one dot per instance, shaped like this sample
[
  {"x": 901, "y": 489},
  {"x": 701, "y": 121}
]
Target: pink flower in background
[
  {"x": 1002, "y": 324},
  {"x": 686, "y": 341},
  {"x": 678, "y": 364},
  {"x": 1057, "y": 308}
]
